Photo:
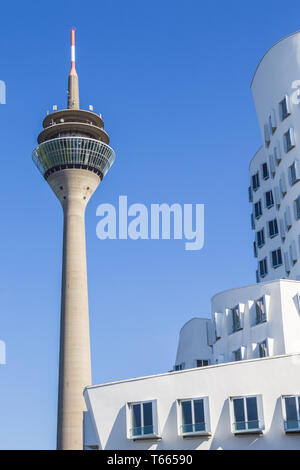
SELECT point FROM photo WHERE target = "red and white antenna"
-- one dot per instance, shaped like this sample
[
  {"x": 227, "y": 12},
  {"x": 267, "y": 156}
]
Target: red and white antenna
[
  {"x": 73, "y": 50},
  {"x": 73, "y": 89}
]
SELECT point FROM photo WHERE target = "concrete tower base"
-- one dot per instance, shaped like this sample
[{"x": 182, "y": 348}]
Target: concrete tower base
[{"x": 73, "y": 187}]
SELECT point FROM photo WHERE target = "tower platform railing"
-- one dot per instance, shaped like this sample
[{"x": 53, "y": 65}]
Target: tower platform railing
[{"x": 73, "y": 152}]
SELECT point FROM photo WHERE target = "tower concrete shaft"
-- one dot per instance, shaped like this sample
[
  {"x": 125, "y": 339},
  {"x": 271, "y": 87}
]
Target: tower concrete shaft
[
  {"x": 73, "y": 188},
  {"x": 73, "y": 155}
]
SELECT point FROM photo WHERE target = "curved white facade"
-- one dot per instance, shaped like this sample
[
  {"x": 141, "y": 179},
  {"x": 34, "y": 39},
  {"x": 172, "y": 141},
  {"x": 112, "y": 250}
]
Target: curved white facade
[
  {"x": 195, "y": 344},
  {"x": 277, "y": 102},
  {"x": 278, "y": 331}
]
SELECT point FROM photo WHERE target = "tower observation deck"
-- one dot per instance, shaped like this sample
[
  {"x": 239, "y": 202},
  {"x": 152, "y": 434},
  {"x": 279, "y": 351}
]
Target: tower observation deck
[{"x": 73, "y": 155}]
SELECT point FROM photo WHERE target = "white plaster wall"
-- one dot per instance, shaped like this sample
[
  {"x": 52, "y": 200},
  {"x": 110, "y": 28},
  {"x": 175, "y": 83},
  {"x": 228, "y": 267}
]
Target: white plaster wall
[
  {"x": 291, "y": 315},
  {"x": 193, "y": 342},
  {"x": 270, "y": 377}
]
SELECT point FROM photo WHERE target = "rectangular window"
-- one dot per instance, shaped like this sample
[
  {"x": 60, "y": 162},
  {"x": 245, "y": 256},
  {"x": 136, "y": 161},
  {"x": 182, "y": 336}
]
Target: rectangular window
[
  {"x": 267, "y": 135},
  {"x": 282, "y": 229},
  {"x": 255, "y": 249},
  {"x": 284, "y": 108},
  {"x": 246, "y": 415},
  {"x": 236, "y": 319},
  {"x": 294, "y": 172},
  {"x": 202, "y": 362},
  {"x": 293, "y": 252},
  {"x": 297, "y": 208},
  {"x": 250, "y": 194},
  {"x": 142, "y": 422},
  {"x": 277, "y": 153},
  {"x": 193, "y": 416},
  {"x": 287, "y": 218},
  {"x": 257, "y": 209},
  {"x": 282, "y": 186},
  {"x": 255, "y": 181},
  {"x": 292, "y": 413},
  {"x": 237, "y": 355},
  {"x": 289, "y": 140},
  {"x": 273, "y": 228},
  {"x": 287, "y": 262},
  {"x": 179, "y": 366},
  {"x": 265, "y": 171},
  {"x": 269, "y": 200},
  {"x": 260, "y": 310},
  {"x": 263, "y": 349},
  {"x": 272, "y": 122},
  {"x": 276, "y": 258},
  {"x": 252, "y": 222},
  {"x": 260, "y": 238},
  {"x": 272, "y": 165},
  {"x": 263, "y": 268}
]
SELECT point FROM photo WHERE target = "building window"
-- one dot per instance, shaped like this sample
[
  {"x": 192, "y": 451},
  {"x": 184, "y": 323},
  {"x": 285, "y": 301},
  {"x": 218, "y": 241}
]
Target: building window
[
  {"x": 142, "y": 420},
  {"x": 193, "y": 416},
  {"x": 265, "y": 171},
  {"x": 282, "y": 186},
  {"x": 272, "y": 165},
  {"x": 246, "y": 415},
  {"x": 276, "y": 258},
  {"x": 263, "y": 349},
  {"x": 284, "y": 108},
  {"x": 252, "y": 222},
  {"x": 294, "y": 172},
  {"x": 293, "y": 252},
  {"x": 260, "y": 238},
  {"x": 250, "y": 194},
  {"x": 254, "y": 249},
  {"x": 287, "y": 218},
  {"x": 267, "y": 135},
  {"x": 272, "y": 122},
  {"x": 258, "y": 209},
  {"x": 277, "y": 153},
  {"x": 202, "y": 362},
  {"x": 291, "y": 413},
  {"x": 289, "y": 139},
  {"x": 179, "y": 366},
  {"x": 287, "y": 262},
  {"x": 260, "y": 311},
  {"x": 269, "y": 200},
  {"x": 282, "y": 229},
  {"x": 237, "y": 355},
  {"x": 297, "y": 208},
  {"x": 255, "y": 181},
  {"x": 263, "y": 268},
  {"x": 236, "y": 319},
  {"x": 273, "y": 228}
]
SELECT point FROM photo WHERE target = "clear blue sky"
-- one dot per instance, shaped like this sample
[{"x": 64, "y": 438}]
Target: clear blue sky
[{"x": 172, "y": 81}]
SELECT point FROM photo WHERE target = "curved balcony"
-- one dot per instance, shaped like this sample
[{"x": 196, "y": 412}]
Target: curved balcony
[{"x": 73, "y": 152}]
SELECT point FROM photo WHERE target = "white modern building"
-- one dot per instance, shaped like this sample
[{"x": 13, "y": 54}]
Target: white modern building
[
  {"x": 274, "y": 169},
  {"x": 236, "y": 379}
]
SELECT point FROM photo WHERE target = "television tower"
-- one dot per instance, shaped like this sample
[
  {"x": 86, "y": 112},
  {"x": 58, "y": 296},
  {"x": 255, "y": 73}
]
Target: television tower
[{"x": 73, "y": 155}]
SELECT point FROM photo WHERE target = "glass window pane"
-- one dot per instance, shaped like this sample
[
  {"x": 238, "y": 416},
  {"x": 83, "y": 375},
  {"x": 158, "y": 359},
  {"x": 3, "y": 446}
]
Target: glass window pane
[
  {"x": 148, "y": 421},
  {"x": 187, "y": 421},
  {"x": 252, "y": 413},
  {"x": 136, "y": 420},
  {"x": 239, "y": 413},
  {"x": 291, "y": 413},
  {"x": 199, "y": 415}
]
